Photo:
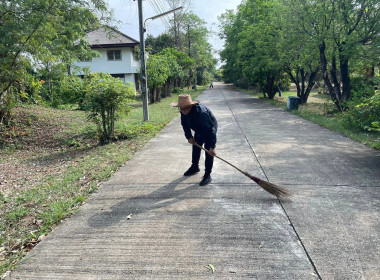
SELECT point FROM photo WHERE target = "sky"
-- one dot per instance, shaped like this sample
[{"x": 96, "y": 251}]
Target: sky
[{"x": 126, "y": 12}]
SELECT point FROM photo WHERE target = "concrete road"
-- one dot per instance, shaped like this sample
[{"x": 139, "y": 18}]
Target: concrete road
[{"x": 150, "y": 222}]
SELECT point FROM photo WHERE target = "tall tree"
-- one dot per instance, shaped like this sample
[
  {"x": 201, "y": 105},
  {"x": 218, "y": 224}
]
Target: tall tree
[
  {"x": 178, "y": 17},
  {"x": 196, "y": 46},
  {"x": 28, "y": 28},
  {"x": 180, "y": 63},
  {"x": 341, "y": 29},
  {"x": 159, "y": 43},
  {"x": 230, "y": 27},
  {"x": 298, "y": 50},
  {"x": 253, "y": 41}
]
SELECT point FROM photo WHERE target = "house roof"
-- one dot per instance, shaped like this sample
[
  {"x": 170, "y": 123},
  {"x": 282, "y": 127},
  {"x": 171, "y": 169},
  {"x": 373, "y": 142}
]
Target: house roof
[{"x": 108, "y": 37}]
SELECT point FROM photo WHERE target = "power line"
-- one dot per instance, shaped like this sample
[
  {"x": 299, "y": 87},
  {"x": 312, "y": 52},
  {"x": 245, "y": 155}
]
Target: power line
[
  {"x": 159, "y": 10},
  {"x": 162, "y": 10}
]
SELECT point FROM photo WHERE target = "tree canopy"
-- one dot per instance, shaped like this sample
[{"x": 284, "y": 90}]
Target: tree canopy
[
  {"x": 34, "y": 31},
  {"x": 264, "y": 39},
  {"x": 182, "y": 56}
]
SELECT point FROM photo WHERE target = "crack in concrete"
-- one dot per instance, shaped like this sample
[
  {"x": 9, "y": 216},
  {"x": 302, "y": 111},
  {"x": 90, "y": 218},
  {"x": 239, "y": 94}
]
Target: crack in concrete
[{"x": 279, "y": 201}]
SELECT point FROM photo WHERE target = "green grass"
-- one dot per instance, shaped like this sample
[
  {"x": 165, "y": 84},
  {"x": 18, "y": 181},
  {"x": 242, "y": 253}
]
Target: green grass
[
  {"x": 17, "y": 214},
  {"x": 35, "y": 211}
]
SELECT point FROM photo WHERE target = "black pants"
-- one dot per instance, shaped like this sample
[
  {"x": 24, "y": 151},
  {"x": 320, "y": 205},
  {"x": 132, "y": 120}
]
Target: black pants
[{"x": 197, "y": 154}]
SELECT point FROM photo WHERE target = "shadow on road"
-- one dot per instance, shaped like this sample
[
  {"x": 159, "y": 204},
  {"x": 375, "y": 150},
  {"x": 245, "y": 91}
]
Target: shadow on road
[{"x": 160, "y": 198}]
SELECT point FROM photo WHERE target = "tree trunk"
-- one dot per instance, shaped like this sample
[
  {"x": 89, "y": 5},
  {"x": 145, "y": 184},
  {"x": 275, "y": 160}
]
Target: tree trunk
[
  {"x": 334, "y": 78},
  {"x": 50, "y": 85},
  {"x": 112, "y": 132},
  {"x": 333, "y": 94},
  {"x": 310, "y": 83},
  {"x": 158, "y": 94},
  {"x": 152, "y": 95},
  {"x": 303, "y": 91},
  {"x": 346, "y": 81},
  {"x": 189, "y": 79},
  {"x": 5, "y": 113},
  {"x": 195, "y": 77},
  {"x": 203, "y": 76},
  {"x": 303, "y": 76},
  {"x": 295, "y": 80},
  {"x": 167, "y": 93},
  {"x": 175, "y": 23},
  {"x": 270, "y": 86},
  {"x": 166, "y": 89},
  {"x": 105, "y": 134}
]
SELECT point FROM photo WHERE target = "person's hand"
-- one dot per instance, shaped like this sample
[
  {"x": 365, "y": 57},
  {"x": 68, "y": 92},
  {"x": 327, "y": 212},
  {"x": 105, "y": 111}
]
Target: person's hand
[
  {"x": 191, "y": 140},
  {"x": 211, "y": 152}
]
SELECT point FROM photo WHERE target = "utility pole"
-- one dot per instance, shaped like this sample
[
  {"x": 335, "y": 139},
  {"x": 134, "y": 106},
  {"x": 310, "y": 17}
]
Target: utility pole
[{"x": 143, "y": 81}]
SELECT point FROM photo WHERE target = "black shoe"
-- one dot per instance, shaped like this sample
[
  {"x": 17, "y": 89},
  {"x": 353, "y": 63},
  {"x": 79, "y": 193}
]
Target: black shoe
[
  {"x": 192, "y": 170},
  {"x": 206, "y": 179}
]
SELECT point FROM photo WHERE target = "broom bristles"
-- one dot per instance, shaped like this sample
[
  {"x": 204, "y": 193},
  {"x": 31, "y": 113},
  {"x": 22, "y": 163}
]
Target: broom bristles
[
  {"x": 273, "y": 189},
  {"x": 269, "y": 187}
]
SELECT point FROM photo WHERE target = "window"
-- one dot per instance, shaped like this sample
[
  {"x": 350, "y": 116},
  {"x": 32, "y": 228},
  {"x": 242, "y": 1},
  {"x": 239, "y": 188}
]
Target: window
[{"x": 114, "y": 55}]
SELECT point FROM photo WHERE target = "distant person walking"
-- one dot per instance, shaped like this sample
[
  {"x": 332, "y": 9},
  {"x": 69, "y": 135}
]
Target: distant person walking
[
  {"x": 211, "y": 84},
  {"x": 279, "y": 89}
]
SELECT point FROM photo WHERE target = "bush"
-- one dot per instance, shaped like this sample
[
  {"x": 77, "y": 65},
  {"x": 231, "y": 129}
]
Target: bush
[
  {"x": 72, "y": 90},
  {"x": 365, "y": 115},
  {"x": 361, "y": 89},
  {"x": 7, "y": 103},
  {"x": 105, "y": 98},
  {"x": 242, "y": 83},
  {"x": 177, "y": 90},
  {"x": 33, "y": 88}
]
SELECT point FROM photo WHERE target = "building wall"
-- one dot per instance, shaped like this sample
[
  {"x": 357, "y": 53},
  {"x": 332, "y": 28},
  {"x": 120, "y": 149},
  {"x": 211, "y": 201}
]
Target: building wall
[
  {"x": 130, "y": 78},
  {"x": 127, "y": 65}
]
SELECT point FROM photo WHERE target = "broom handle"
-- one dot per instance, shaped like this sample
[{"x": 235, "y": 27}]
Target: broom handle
[
  {"x": 273, "y": 189},
  {"x": 200, "y": 147}
]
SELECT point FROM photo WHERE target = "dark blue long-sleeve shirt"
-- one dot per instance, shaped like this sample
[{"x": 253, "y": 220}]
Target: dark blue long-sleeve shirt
[{"x": 203, "y": 122}]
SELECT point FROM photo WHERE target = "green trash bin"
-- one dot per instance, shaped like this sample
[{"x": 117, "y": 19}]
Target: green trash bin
[{"x": 293, "y": 102}]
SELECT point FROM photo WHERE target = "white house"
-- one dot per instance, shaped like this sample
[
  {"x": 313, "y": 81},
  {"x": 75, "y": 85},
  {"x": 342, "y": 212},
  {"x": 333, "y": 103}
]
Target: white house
[{"x": 117, "y": 56}]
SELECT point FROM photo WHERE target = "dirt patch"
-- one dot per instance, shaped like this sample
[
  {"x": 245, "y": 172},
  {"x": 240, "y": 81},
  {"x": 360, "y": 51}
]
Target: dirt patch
[{"x": 41, "y": 142}]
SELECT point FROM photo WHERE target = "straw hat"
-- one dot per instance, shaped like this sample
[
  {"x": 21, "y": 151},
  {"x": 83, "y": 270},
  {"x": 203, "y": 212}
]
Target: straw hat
[{"x": 184, "y": 100}]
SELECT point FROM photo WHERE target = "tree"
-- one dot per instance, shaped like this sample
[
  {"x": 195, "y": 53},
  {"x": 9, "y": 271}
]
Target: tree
[
  {"x": 196, "y": 45},
  {"x": 178, "y": 64},
  {"x": 193, "y": 53},
  {"x": 298, "y": 50},
  {"x": 265, "y": 38},
  {"x": 158, "y": 71},
  {"x": 341, "y": 29},
  {"x": 160, "y": 42},
  {"x": 230, "y": 27},
  {"x": 30, "y": 29},
  {"x": 106, "y": 96},
  {"x": 177, "y": 22},
  {"x": 252, "y": 36}
]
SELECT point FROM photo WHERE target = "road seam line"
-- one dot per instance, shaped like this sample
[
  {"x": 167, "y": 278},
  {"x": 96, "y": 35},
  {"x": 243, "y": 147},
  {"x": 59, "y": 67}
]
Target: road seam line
[{"x": 279, "y": 201}]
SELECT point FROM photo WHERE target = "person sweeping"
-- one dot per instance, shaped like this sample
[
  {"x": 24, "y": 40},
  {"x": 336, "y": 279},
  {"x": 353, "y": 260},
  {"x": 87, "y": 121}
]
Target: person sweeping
[{"x": 198, "y": 118}]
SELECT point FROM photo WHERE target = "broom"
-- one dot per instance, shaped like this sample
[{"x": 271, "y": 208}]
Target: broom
[{"x": 273, "y": 189}]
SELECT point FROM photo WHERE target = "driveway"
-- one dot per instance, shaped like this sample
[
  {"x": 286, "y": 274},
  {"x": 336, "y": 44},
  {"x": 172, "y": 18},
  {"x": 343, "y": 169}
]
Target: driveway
[{"x": 150, "y": 222}]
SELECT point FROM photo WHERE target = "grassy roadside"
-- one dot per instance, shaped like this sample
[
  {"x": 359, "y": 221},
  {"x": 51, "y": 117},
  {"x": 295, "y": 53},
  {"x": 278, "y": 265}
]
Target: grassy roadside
[
  {"x": 322, "y": 111},
  {"x": 71, "y": 169}
]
